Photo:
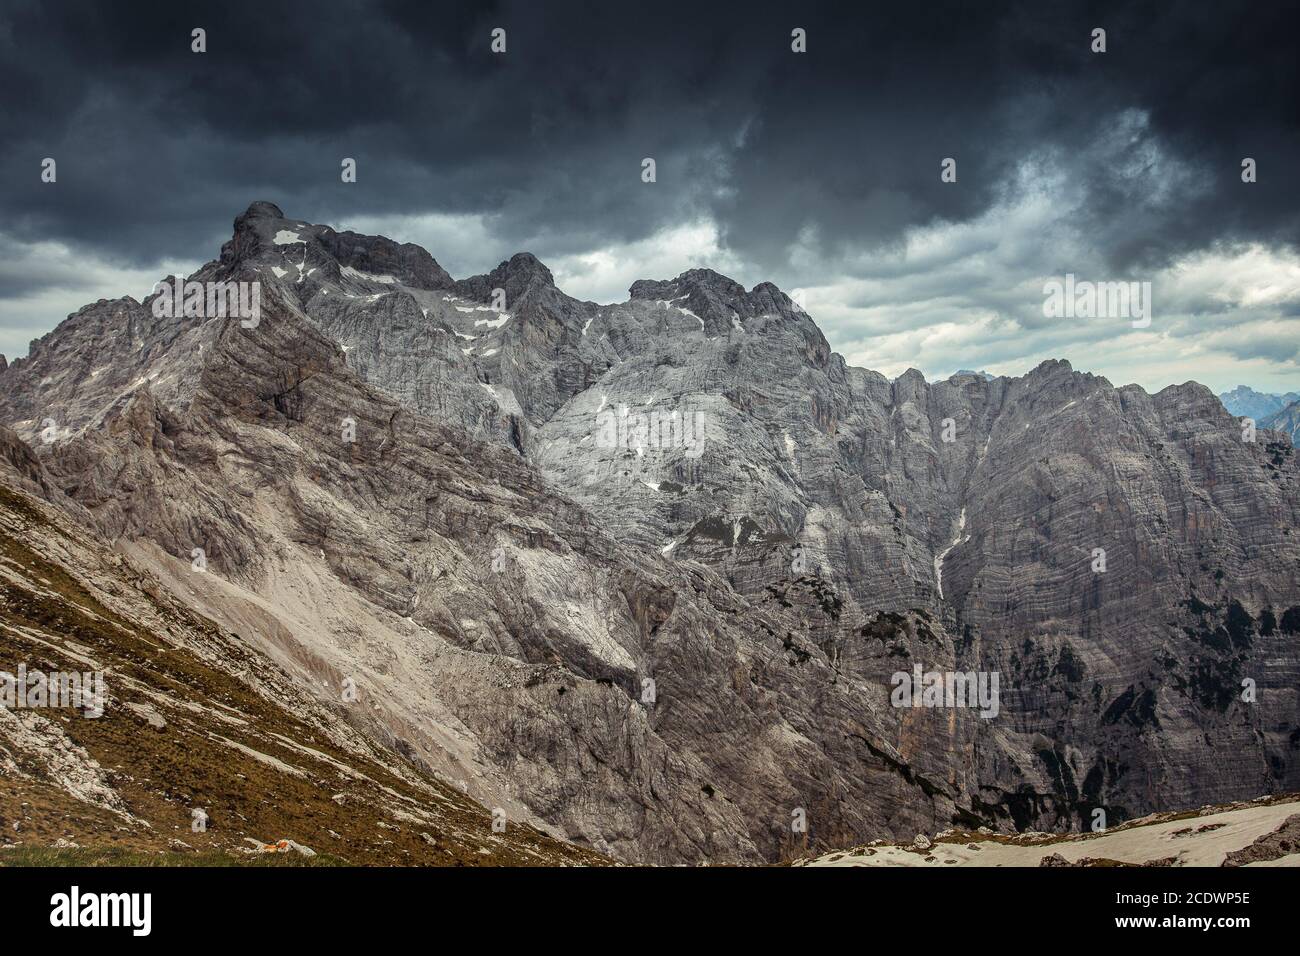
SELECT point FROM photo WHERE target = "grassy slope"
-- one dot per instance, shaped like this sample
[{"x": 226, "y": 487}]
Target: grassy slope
[{"x": 340, "y": 796}]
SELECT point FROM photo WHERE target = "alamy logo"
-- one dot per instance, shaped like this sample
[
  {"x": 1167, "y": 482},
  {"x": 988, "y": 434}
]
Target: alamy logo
[
  {"x": 657, "y": 430},
  {"x": 977, "y": 690},
  {"x": 32, "y": 690},
  {"x": 1098, "y": 300},
  {"x": 72, "y": 909},
  {"x": 209, "y": 300}
]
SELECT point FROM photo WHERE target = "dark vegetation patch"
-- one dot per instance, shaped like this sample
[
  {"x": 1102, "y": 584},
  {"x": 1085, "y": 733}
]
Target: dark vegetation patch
[
  {"x": 1135, "y": 707},
  {"x": 725, "y": 531},
  {"x": 898, "y": 632},
  {"x": 1069, "y": 665},
  {"x": 1214, "y": 684},
  {"x": 808, "y": 590},
  {"x": 1240, "y": 626},
  {"x": 1228, "y": 633},
  {"x": 1278, "y": 452},
  {"x": 801, "y": 656},
  {"x": 1290, "y": 622}
]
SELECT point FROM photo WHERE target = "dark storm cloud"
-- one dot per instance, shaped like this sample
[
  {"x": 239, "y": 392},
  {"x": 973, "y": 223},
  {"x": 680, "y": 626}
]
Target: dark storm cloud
[
  {"x": 156, "y": 144},
  {"x": 158, "y": 148}
]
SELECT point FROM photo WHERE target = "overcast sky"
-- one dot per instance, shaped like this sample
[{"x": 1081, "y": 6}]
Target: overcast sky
[{"x": 819, "y": 171}]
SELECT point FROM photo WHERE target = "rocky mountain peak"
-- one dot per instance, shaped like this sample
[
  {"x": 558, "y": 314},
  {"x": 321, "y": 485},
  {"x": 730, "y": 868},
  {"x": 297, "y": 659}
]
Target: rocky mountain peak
[
  {"x": 261, "y": 209},
  {"x": 1244, "y": 392},
  {"x": 693, "y": 281},
  {"x": 722, "y": 305},
  {"x": 1246, "y": 401},
  {"x": 526, "y": 265},
  {"x": 308, "y": 255},
  {"x": 690, "y": 485},
  {"x": 519, "y": 275},
  {"x": 250, "y": 228},
  {"x": 1051, "y": 366}
]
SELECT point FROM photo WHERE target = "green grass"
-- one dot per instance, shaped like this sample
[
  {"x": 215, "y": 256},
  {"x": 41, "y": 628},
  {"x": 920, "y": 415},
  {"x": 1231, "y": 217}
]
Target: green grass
[{"x": 46, "y": 856}]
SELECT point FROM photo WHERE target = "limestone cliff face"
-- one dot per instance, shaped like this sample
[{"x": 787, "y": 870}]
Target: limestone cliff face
[{"x": 641, "y": 573}]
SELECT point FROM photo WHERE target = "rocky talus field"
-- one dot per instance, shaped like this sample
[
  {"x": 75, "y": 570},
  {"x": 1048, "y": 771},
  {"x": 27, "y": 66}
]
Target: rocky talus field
[{"x": 410, "y": 554}]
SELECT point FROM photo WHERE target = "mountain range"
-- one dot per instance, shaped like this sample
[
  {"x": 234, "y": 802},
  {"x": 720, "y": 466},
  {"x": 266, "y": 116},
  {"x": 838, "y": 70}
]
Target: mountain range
[
  {"x": 1244, "y": 402},
  {"x": 639, "y": 576},
  {"x": 1279, "y": 413},
  {"x": 1286, "y": 421}
]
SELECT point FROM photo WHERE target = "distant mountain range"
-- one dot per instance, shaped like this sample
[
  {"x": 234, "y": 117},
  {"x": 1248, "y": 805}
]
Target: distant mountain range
[
  {"x": 1244, "y": 401},
  {"x": 1286, "y": 421},
  {"x": 641, "y": 577}
]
